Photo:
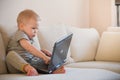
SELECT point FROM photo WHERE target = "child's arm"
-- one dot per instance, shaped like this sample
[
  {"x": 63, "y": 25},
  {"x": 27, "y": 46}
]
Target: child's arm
[{"x": 30, "y": 48}]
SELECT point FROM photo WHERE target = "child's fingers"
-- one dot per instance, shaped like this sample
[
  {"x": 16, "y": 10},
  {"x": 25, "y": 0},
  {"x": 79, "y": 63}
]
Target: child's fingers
[{"x": 46, "y": 52}]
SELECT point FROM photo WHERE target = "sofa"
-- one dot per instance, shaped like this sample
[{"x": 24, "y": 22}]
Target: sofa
[{"x": 90, "y": 56}]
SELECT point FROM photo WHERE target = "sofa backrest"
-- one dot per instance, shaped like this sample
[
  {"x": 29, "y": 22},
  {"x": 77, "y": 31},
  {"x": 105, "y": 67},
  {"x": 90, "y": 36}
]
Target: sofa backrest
[
  {"x": 109, "y": 46},
  {"x": 3, "y": 68},
  {"x": 113, "y": 29},
  {"x": 6, "y": 33},
  {"x": 83, "y": 45},
  {"x": 48, "y": 35}
]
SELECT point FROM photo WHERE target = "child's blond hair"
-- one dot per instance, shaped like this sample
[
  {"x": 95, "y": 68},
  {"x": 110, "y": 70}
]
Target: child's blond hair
[{"x": 25, "y": 15}]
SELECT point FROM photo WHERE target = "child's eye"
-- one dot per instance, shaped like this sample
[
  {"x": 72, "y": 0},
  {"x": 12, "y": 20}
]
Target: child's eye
[{"x": 34, "y": 28}]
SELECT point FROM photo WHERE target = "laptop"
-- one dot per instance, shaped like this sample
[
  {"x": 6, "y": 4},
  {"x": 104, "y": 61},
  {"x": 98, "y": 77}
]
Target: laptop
[{"x": 59, "y": 54}]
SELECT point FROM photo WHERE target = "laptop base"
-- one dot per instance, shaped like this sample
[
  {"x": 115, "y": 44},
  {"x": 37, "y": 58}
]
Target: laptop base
[{"x": 43, "y": 71}]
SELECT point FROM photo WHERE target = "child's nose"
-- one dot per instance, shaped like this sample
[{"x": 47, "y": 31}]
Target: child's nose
[{"x": 35, "y": 31}]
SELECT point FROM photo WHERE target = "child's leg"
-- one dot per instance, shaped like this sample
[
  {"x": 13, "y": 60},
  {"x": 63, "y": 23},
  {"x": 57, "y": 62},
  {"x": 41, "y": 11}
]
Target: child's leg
[
  {"x": 31, "y": 71},
  {"x": 15, "y": 60},
  {"x": 59, "y": 71},
  {"x": 20, "y": 64}
]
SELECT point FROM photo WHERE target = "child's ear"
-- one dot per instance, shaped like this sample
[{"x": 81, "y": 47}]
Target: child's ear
[{"x": 21, "y": 25}]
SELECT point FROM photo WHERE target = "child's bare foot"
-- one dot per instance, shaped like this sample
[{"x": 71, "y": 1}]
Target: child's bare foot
[
  {"x": 31, "y": 71},
  {"x": 59, "y": 71}
]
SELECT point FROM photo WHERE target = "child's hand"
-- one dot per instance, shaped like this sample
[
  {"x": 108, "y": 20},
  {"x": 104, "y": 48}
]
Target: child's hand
[
  {"x": 47, "y": 60},
  {"x": 31, "y": 71},
  {"x": 59, "y": 71},
  {"x": 48, "y": 53}
]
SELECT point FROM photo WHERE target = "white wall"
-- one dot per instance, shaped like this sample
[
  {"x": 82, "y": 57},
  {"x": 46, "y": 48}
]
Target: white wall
[
  {"x": 52, "y": 12},
  {"x": 102, "y": 14},
  {"x": 98, "y": 14}
]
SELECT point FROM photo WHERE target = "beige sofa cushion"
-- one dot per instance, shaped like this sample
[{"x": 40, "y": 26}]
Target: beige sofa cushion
[
  {"x": 2, "y": 57},
  {"x": 49, "y": 34},
  {"x": 84, "y": 43},
  {"x": 109, "y": 47},
  {"x": 71, "y": 74},
  {"x": 107, "y": 65},
  {"x": 113, "y": 29},
  {"x": 36, "y": 43}
]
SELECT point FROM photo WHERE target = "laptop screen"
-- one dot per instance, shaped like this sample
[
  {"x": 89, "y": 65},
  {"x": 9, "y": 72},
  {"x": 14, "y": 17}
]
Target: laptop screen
[{"x": 60, "y": 51}]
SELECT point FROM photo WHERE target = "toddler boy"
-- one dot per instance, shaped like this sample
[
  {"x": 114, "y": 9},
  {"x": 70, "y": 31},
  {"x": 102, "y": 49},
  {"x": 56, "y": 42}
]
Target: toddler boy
[{"x": 21, "y": 42}]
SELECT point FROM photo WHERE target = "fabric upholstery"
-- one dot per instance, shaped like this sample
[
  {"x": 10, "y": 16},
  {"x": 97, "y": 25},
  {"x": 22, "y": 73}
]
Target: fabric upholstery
[
  {"x": 84, "y": 43},
  {"x": 109, "y": 47},
  {"x": 71, "y": 74},
  {"x": 107, "y": 65},
  {"x": 36, "y": 43},
  {"x": 113, "y": 29},
  {"x": 3, "y": 68},
  {"x": 49, "y": 34},
  {"x": 83, "y": 50},
  {"x": 7, "y": 33}
]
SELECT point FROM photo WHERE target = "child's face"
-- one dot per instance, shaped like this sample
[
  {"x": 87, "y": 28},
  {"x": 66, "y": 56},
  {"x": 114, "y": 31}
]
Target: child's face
[{"x": 30, "y": 28}]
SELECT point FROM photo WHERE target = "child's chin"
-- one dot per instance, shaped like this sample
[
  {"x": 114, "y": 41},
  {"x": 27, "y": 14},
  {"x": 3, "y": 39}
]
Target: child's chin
[{"x": 32, "y": 37}]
